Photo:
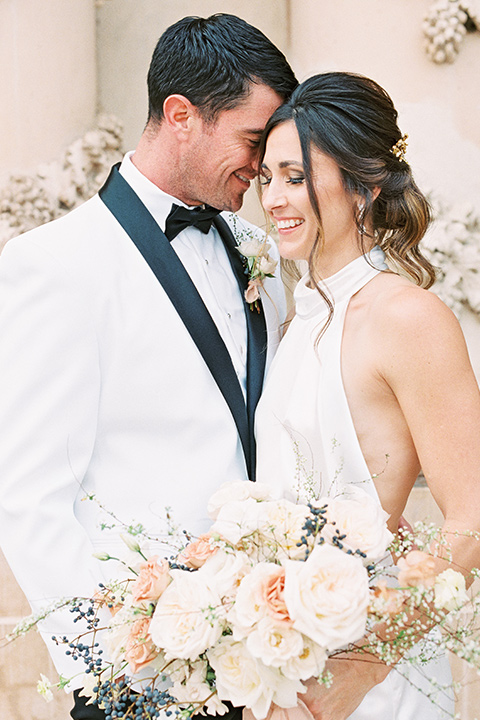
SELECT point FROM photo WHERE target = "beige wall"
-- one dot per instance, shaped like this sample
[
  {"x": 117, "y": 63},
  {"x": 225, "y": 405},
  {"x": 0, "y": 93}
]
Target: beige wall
[
  {"x": 439, "y": 105},
  {"x": 47, "y": 79}
]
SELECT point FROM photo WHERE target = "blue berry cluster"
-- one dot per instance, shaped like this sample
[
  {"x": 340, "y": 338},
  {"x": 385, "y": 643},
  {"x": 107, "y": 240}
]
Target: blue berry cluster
[
  {"x": 313, "y": 527},
  {"x": 119, "y": 701}
]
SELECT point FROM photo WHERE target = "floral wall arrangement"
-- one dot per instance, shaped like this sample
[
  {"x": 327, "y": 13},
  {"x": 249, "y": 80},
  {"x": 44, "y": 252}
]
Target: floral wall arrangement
[
  {"x": 453, "y": 246},
  {"x": 30, "y": 200},
  {"x": 445, "y": 26}
]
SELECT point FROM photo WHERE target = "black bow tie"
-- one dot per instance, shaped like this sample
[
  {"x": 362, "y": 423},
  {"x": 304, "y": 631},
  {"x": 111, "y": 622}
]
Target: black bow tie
[{"x": 180, "y": 217}]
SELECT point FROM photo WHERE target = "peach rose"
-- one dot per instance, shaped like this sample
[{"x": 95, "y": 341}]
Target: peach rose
[
  {"x": 140, "y": 650},
  {"x": 197, "y": 553},
  {"x": 251, "y": 293},
  {"x": 271, "y": 588},
  {"x": 416, "y": 568},
  {"x": 152, "y": 580}
]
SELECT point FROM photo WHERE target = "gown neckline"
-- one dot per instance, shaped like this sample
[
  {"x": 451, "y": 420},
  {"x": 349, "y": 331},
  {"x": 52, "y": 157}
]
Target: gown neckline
[{"x": 343, "y": 284}]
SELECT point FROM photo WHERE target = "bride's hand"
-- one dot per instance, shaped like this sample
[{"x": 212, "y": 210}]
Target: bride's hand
[{"x": 352, "y": 679}]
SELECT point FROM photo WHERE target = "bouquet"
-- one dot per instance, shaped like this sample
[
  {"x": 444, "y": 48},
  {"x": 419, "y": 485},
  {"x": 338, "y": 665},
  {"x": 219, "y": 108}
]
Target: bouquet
[{"x": 247, "y": 612}]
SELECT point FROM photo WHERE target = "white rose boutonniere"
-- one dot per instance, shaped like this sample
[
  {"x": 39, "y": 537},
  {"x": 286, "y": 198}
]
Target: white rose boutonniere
[{"x": 258, "y": 263}]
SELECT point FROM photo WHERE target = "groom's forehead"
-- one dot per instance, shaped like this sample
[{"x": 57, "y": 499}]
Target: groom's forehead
[{"x": 251, "y": 113}]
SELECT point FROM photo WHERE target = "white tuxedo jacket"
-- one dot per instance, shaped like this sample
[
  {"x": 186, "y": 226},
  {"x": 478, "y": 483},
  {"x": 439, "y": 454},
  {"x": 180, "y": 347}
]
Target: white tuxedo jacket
[{"x": 102, "y": 392}]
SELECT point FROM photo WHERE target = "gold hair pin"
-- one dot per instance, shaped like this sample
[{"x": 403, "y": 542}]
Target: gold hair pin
[{"x": 400, "y": 148}]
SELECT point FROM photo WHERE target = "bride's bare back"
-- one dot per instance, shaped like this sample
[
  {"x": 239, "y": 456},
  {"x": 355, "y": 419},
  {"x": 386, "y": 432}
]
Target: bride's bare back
[{"x": 413, "y": 396}]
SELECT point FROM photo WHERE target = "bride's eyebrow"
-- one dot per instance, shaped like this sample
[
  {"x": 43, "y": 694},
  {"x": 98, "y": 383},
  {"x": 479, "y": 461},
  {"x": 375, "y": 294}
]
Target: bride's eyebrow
[{"x": 286, "y": 164}]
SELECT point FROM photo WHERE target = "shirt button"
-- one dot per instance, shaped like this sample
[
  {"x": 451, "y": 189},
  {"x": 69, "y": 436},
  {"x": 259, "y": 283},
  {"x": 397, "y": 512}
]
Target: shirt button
[{"x": 229, "y": 316}]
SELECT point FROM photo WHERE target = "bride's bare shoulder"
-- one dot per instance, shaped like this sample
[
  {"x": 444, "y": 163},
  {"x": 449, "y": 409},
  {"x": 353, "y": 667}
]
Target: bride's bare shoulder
[{"x": 408, "y": 316}]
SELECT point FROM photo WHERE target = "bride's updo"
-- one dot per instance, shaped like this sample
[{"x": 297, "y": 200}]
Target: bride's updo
[{"x": 353, "y": 120}]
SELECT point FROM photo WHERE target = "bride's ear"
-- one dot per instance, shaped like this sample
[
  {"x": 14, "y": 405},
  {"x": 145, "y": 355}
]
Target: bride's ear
[{"x": 375, "y": 193}]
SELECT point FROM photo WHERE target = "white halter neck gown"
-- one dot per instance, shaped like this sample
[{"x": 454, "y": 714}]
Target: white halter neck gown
[{"x": 308, "y": 447}]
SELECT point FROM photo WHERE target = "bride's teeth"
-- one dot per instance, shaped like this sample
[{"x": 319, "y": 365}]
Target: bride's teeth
[{"x": 284, "y": 224}]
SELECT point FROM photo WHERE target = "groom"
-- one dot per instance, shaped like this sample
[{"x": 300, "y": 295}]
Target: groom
[{"x": 130, "y": 363}]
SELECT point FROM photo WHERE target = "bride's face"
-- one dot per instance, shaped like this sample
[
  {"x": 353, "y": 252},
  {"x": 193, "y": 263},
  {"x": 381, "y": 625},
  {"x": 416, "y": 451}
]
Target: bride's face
[{"x": 285, "y": 197}]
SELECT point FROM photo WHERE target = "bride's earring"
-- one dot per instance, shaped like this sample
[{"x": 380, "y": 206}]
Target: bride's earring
[{"x": 360, "y": 210}]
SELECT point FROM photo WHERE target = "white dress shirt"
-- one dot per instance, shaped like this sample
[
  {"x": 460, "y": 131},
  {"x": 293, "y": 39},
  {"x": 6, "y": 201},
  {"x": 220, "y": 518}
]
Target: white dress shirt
[{"x": 204, "y": 257}]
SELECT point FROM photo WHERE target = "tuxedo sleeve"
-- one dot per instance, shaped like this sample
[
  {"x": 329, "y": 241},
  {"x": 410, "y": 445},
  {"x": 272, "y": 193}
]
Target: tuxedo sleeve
[{"x": 49, "y": 394}]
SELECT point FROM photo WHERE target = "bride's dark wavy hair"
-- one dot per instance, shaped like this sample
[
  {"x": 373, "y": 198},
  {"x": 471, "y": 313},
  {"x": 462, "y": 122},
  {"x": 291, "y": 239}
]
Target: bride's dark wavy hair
[{"x": 353, "y": 120}]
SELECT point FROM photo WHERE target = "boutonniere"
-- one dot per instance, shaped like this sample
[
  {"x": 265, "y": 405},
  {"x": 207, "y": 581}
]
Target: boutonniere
[{"x": 258, "y": 263}]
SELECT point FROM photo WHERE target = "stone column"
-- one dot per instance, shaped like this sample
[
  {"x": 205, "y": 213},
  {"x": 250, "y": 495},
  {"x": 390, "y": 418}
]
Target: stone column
[{"x": 48, "y": 79}]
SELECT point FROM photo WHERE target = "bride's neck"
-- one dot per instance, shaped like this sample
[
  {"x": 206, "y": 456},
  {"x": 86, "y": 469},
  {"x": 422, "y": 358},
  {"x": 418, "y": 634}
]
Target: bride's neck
[{"x": 330, "y": 262}]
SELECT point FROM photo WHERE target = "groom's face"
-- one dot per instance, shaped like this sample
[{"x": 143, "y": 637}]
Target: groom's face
[{"x": 221, "y": 159}]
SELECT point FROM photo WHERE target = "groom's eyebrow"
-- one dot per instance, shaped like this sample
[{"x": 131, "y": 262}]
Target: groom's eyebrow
[{"x": 257, "y": 134}]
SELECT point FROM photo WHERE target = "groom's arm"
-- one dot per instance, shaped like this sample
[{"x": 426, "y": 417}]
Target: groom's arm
[{"x": 49, "y": 390}]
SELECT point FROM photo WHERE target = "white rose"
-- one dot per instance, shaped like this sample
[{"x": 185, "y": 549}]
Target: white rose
[
  {"x": 309, "y": 663},
  {"x": 224, "y": 571},
  {"x": 362, "y": 519},
  {"x": 267, "y": 265},
  {"x": 188, "y": 618},
  {"x": 240, "y": 678},
  {"x": 274, "y": 643},
  {"x": 327, "y": 596},
  {"x": 240, "y": 490},
  {"x": 281, "y": 522},
  {"x": 194, "y": 689},
  {"x": 236, "y": 520},
  {"x": 244, "y": 680},
  {"x": 252, "y": 248},
  {"x": 450, "y": 590}
]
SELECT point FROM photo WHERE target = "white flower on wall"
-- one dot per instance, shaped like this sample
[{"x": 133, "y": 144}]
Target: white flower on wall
[
  {"x": 452, "y": 244},
  {"x": 445, "y": 26}
]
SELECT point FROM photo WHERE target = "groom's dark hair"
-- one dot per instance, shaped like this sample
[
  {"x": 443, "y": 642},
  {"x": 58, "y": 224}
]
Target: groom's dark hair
[{"x": 212, "y": 62}]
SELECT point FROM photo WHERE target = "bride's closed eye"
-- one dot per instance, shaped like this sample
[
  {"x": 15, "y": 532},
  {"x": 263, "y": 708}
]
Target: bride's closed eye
[{"x": 295, "y": 180}]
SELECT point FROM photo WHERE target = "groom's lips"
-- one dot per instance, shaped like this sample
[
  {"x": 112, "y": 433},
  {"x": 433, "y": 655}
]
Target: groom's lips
[{"x": 244, "y": 180}]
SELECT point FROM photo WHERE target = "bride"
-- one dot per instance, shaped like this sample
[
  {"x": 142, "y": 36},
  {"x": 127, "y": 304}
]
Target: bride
[{"x": 372, "y": 382}]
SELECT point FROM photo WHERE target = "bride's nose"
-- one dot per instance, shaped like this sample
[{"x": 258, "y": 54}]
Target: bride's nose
[{"x": 273, "y": 195}]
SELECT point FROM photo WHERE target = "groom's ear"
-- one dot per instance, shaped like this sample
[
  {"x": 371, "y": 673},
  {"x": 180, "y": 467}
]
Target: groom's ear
[{"x": 180, "y": 115}]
